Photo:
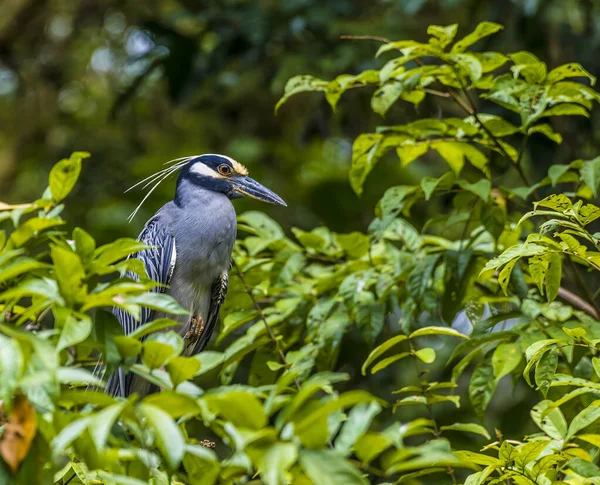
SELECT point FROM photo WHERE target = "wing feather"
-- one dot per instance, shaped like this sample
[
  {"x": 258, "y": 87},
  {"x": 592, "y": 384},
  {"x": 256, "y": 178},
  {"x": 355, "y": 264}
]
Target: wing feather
[
  {"x": 219, "y": 291},
  {"x": 159, "y": 262}
]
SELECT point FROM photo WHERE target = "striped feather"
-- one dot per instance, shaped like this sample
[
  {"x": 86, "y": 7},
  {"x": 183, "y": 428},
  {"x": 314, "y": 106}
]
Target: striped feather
[{"x": 159, "y": 262}]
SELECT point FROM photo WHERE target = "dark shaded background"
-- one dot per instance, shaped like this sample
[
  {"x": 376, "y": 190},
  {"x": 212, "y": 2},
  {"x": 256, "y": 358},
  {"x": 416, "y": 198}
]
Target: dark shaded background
[{"x": 139, "y": 83}]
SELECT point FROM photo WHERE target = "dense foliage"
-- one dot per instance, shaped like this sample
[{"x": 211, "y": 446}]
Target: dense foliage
[{"x": 452, "y": 310}]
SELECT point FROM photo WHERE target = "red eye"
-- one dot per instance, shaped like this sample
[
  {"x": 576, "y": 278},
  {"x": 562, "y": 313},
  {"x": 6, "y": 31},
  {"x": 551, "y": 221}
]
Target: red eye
[{"x": 224, "y": 169}]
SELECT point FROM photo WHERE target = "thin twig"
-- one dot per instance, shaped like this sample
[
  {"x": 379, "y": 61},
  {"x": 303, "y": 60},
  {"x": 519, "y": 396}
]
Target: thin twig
[
  {"x": 264, "y": 319},
  {"x": 365, "y": 37},
  {"x": 584, "y": 288},
  {"x": 577, "y": 302},
  {"x": 436, "y": 93}
]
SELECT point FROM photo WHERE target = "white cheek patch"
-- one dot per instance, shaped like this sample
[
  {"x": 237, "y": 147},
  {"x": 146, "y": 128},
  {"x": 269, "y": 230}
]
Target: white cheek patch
[{"x": 201, "y": 169}]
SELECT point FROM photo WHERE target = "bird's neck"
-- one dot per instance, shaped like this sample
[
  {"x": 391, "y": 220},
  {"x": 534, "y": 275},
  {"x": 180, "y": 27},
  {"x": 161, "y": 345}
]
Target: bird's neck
[{"x": 188, "y": 194}]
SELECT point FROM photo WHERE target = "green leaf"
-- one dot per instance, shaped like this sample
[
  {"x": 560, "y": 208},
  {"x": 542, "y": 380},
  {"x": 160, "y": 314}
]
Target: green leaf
[
  {"x": 116, "y": 251},
  {"x": 380, "y": 350},
  {"x": 505, "y": 359},
  {"x": 70, "y": 274},
  {"x": 169, "y": 438},
  {"x": 365, "y": 154},
  {"x": 355, "y": 244},
  {"x": 84, "y": 244},
  {"x": 64, "y": 175},
  {"x": 68, "y": 434},
  {"x": 77, "y": 375},
  {"x": 128, "y": 347},
  {"x": 516, "y": 251},
  {"x": 546, "y": 129},
  {"x": 482, "y": 387},
  {"x": 11, "y": 368},
  {"x": 300, "y": 84},
  {"x": 427, "y": 355},
  {"x": 590, "y": 174},
  {"x": 76, "y": 330},
  {"x": 553, "y": 277},
  {"x": 310, "y": 240},
  {"x": 157, "y": 301},
  {"x": 470, "y": 64},
  {"x": 588, "y": 213},
  {"x": 437, "y": 331},
  {"x": 350, "y": 398},
  {"x": 555, "y": 172},
  {"x": 153, "y": 326},
  {"x": 569, "y": 70},
  {"x": 545, "y": 370},
  {"x": 430, "y": 184},
  {"x": 482, "y": 188},
  {"x": 383, "y": 363},
  {"x": 209, "y": 360},
  {"x": 31, "y": 228},
  {"x": 17, "y": 268},
  {"x": 277, "y": 460},
  {"x": 452, "y": 153},
  {"x": 156, "y": 354},
  {"x": 386, "y": 96},
  {"x": 553, "y": 423},
  {"x": 174, "y": 404},
  {"x": 358, "y": 422},
  {"x": 585, "y": 469},
  {"x": 482, "y": 30},
  {"x": 532, "y": 105},
  {"x": 586, "y": 417},
  {"x": 71, "y": 398},
  {"x": 467, "y": 427},
  {"x": 528, "y": 66},
  {"x": 235, "y": 320},
  {"x": 201, "y": 465},
  {"x": 504, "y": 276},
  {"x": 409, "y": 152},
  {"x": 418, "y": 279},
  {"x": 565, "y": 109},
  {"x": 327, "y": 467},
  {"x": 101, "y": 423},
  {"x": 442, "y": 35},
  {"x": 182, "y": 369},
  {"x": 596, "y": 365},
  {"x": 241, "y": 408},
  {"x": 538, "y": 268},
  {"x": 477, "y": 458}
]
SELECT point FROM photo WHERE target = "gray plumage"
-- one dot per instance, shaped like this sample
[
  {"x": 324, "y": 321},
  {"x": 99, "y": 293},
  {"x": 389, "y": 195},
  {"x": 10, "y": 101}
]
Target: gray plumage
[{"x": 192, "y": 239}]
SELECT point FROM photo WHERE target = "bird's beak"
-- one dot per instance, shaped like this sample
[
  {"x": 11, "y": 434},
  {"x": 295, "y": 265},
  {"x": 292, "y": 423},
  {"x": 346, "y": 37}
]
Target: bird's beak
[{"x": 251, "y": 188}]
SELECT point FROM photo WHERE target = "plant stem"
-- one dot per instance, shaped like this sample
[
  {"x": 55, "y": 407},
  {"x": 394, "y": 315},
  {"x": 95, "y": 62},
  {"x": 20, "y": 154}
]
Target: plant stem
[
  {"x": 263, "y": 318},
  {"x": 383, "y": 40},
  {"x": 583, "y": 287}
]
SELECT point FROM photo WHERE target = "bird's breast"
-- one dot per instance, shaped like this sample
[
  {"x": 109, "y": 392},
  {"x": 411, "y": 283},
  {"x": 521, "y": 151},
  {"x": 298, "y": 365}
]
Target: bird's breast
[{"x": 204, "y": 238}]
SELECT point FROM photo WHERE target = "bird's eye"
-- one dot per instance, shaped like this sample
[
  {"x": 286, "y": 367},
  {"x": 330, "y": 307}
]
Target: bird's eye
[{"x": 224, "y": 169}]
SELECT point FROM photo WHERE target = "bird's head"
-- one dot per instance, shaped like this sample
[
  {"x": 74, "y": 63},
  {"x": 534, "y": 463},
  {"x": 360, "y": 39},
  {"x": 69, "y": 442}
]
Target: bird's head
[{"x": 219, "y": 173}]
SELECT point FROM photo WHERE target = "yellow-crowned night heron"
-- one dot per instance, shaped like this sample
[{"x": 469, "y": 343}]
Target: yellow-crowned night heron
[{"x": 193, "y": 237}]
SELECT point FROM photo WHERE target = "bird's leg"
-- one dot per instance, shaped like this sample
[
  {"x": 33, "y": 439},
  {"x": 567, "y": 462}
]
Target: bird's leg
[{"x": 196, "y": 328}]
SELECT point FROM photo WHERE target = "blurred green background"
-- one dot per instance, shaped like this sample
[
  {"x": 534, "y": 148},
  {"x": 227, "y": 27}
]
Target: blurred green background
[{"x": 139, "y": 83}]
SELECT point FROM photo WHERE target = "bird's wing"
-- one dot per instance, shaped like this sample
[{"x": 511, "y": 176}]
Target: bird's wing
[
  {"x": 159, "y": 261},
  {"x": 219, "y": 291}
]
